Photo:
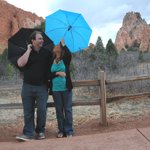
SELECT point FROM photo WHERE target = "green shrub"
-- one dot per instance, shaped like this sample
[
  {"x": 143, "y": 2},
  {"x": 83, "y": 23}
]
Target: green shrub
[{"x": 9, "y": 70}]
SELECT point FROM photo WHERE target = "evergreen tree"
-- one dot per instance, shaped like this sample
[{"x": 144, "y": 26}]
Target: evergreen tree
[
  {"x": 111, "y": 54},
  {"x": 99, "y": 45},
  {"x": 5, "y": 67},
  {"x": 111, "y": 49},
  {"x": 42, "y": 26},
  {"x": 4, "y": 56}
]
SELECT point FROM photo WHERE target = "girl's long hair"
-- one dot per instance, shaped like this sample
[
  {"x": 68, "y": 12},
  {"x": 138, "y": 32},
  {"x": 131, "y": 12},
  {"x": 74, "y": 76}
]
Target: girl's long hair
[{"x": 62, "y": 52}]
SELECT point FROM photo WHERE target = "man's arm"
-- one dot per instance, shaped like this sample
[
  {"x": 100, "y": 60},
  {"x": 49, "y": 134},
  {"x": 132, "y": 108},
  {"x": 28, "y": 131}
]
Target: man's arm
[{"x": 22, "y": 61}]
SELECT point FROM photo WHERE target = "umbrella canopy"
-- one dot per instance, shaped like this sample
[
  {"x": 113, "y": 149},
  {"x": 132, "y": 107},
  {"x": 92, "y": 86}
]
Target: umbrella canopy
[
  {"x": 70, "y": 26},
  {"x": 17, "y": 44}
]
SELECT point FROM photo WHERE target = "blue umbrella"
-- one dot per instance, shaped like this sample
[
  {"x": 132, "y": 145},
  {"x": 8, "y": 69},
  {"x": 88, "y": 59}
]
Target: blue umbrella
[{"x": 70, "y": 26}]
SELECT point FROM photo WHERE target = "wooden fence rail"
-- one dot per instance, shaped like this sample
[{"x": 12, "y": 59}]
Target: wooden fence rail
[{"x": 135, "y": 78}]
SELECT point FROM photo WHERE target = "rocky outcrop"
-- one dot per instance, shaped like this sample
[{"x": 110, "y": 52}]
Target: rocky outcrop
[
  {"x": 12, "y": 19},
  {"x": 135, "y": 32}
]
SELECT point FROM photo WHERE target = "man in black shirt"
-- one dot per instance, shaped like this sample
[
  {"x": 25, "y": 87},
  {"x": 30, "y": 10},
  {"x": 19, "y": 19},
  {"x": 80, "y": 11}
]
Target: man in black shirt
[{"x": 35, "y": 65}]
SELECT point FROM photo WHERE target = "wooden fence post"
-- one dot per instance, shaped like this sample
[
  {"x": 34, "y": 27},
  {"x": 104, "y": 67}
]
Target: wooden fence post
[{"x": 102, "y": 91}]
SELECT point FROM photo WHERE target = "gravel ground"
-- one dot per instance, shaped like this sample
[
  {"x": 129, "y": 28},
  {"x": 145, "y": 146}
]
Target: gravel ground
[{"x": 125, "y": 108}]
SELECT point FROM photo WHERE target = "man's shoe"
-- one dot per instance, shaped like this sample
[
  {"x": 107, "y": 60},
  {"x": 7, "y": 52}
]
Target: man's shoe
[
  {"x": 23, "y": 138},
  {"x": 40, "y": 136}
]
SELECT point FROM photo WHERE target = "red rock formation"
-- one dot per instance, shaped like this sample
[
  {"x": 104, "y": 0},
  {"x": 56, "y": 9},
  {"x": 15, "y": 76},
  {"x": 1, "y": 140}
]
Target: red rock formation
[
  {"x": 134, "y": 30},
  {"x": 12, "y": 19}
]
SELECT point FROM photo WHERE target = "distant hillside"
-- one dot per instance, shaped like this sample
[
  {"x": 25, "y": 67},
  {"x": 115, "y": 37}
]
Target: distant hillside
[
  {"x": 12, "y": 19},
  {"x": 135, "y": 32}
]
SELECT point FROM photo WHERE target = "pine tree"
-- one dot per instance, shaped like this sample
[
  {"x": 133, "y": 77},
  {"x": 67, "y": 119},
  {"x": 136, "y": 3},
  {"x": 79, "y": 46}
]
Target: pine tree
[
  {"x": 111, "y": 54},
  {"x": 99, "y": 45},
  {"x": 100, "y": 54},
  {"x": 4, "y": 56},
  {"x": 111, "y": 49},
  {"x": 5, "y": 67},
  {"x": 42, "y": 26}
]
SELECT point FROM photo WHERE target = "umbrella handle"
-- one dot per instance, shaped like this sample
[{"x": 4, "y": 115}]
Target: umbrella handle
[
  {"x": 32, "y": 47},
  {"x": 69, "y": 28}
]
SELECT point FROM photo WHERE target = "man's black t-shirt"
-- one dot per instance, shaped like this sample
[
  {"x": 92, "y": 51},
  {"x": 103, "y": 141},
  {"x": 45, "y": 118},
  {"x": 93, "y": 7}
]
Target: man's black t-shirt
[{"x": 36, "y": 70}]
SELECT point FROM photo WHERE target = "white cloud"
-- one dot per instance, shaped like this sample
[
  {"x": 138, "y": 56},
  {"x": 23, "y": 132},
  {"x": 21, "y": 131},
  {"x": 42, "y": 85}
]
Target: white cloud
[
  {"x": 106, "y": 32},
  {"x": 41, "y": 8}
]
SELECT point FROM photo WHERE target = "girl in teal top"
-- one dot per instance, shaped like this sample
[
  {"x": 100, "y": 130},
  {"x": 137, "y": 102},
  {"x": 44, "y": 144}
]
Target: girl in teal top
[
  {"x": 61, "y": 89},
  {"x": 59, "y": 82}
]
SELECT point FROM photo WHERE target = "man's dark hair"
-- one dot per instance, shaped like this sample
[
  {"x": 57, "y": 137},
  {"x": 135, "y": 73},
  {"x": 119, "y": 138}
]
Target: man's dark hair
[{"x": 33, "y": 36}]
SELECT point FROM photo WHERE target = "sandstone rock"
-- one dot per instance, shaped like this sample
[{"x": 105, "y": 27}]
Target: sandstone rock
[
  {"x": 12, "y": 19},
  {"x": 134, "y": 31}
]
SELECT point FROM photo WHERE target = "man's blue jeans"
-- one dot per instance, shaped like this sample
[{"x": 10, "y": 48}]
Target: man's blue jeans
[
  {"x": 32, "y": 95},
  {"x": 63, "y": 105}
]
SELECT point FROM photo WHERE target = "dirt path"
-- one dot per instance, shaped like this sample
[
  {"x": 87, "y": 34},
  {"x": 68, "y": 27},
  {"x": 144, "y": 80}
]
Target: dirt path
[
  {"x": 8, "y": 132},
  {"x": 135, "y": 139}
]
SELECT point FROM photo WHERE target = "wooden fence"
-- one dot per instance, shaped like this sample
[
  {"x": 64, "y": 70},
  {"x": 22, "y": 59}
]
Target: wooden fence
[{"x": 101, "y": 101}]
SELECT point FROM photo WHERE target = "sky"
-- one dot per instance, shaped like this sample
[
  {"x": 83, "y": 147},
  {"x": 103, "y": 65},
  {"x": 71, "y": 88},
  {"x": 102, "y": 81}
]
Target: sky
[{"x": 103, "y": 16}]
